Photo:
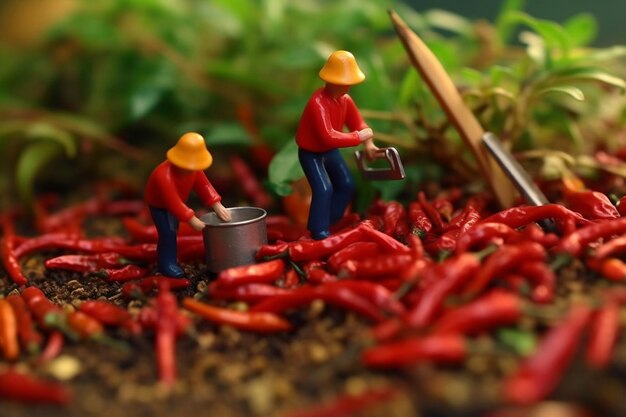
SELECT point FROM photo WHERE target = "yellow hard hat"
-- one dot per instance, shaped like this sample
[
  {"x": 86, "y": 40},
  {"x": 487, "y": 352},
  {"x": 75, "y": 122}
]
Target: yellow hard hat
[
  {"x": 190, "y": 153},
  {"x": 341, "y": 69}
]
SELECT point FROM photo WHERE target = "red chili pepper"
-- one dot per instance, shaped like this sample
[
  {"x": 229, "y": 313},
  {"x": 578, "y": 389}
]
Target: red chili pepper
[
  {"x": 444, "y": 207},
  {"x": 285, "y": 232},
  {"x": 53, "y": 348},
  {"x": 48, "y": 315},
  {"x": 387, "y": 330},
  {"x": 393, "y": 213},
  {"x": 68, "y": 242},
  {"x": 7, "y": 253},
  {"x": 249, "y": 183},
  {"x": 621, "y": 206},
  {"x": 605, "y": 330},
  {"x": 168, "y": 322},
  {"x": 482, "y": 234},
  {"x": 440, "y": 281},
  {"x": 612, "y": 247},
  {"x": 430, "y": 211},
  {"x": 8, "y": 331},
  {"x": 309, "y": 250},
  {"x": 378, "y": 295},
  {"x": 498, "y": 308},
  {"x": 541, "y": 372},
  {"x": 437, "y": 348},
  {"x": 386, "y": 242},
  {"x": 265, "y": 272},
  {"x": 109, "y": 314},
  {"x": 348, "y": 221},
  {"x": 299, "y": 297},
  {"x": 521, "y": 216},
  {"x": 16, "y": 386},
  {"x": 261, "y": 322},
  {"x": 248, "y": 293},
  {"x": 352, "y": 252},
  {"x": 316, "y": 274},
  {"x": 84, "y": 263},
  {"x": 271, "y": 251},
  {"x": 126, "y": 273},
  {"x": 536, "y": 234},
  {"x": 420, "y": 223},
  {"x": 380, "y": 266},
  {"x": 85, "y": 326},
  {"x": 593, "y": 205},
  {"x": 574, "y": 243},
  {"x": 542, "y": 278},
  {"x": 504, "y": 259},
  {"x": 613, "y": 269},
  {"x": 348, "y": 404},
  {"x": 146, "y": 285},
  {"x": 30, "y": 338}
]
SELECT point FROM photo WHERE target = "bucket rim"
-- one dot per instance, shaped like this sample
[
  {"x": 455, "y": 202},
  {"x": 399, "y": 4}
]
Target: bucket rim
[{"x": 261, "y": 215}]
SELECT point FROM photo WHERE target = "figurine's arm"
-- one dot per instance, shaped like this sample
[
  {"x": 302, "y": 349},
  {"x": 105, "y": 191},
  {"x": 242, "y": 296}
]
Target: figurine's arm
[
  {"x": 355, "y": 121},
  {"x": 203, "y": 187},
  {"x": 172, "y": 200}
]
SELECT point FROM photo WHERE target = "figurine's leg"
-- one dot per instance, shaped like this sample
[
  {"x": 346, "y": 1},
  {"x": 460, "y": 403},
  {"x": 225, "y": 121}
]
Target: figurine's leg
[
  {"x": 343, "y": 185},
  {"x": 322, "y": 190},
  {"x": 167, "y": 226}
]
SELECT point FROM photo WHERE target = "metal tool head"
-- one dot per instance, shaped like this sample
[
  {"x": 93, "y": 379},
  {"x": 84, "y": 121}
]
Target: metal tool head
[{"x": 394, "y": 172}]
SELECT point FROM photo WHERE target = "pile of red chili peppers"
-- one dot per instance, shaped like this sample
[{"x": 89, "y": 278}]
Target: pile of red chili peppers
[{"x": 429, "y": 276}]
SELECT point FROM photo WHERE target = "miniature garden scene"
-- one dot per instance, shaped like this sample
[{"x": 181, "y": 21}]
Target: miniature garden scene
[{"x": 310, "y": 209}]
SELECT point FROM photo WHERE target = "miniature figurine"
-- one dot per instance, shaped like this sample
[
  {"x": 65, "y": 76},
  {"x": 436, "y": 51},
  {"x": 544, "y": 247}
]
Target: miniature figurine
[
  {"x": 320, "y": 133},
  {"x": 169, "y": 187}
]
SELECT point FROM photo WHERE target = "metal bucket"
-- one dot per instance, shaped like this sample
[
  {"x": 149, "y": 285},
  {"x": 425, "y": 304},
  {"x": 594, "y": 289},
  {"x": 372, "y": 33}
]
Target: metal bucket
[{"x": 234, "y": 243}]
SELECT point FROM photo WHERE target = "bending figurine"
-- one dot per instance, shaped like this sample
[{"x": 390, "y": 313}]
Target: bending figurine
[
  {"x": 320, "y": 134},
  {"x": 169, "y": 187}
]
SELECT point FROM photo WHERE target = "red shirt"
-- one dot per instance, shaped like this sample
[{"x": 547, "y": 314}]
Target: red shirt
[
  {"x": 169, "y": 187},
  {"x": 322, "y": 122}
]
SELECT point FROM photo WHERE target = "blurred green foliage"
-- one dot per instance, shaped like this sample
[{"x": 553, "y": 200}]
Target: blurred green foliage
[{"x": 129, "y": 74}]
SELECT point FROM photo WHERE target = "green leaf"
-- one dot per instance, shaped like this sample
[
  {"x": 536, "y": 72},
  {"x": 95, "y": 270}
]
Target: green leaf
[
  {"x": 504, "y": 26},
  {"x": 522, "y": 342},
  {"x": 581, "y": 29},
  {"x": 284, "y": 169},
  {"x": 46, "y": 131},
  {"x": 574, "y": 92},
  {"x": 588, "y": 74},
  {"x": 31, "y": 161},
  {"x": 443, "y": 19},
  {"x": 554, "y": 35},
  {"x": 228, "y": 134}
]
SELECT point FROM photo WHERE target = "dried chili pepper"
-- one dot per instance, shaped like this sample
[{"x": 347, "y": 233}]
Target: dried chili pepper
[
  {"x": 542, "y": 278},
  {"x": 8, "y": 331},
  {"x": 378, "y": 295},
  {"x": 85, "y": 326},
  {"x": 613, "y": 269},
  {"x": 381, "y": 266},
  {"x": 85, "y": 263},
  {"x": 168, "y": 323},
  {"x": 285, "y": 232},
  {"x": 482, "y": 234},
  {"x": 521, "y": 216},
  {"x": 309, "y": 249},
  {"x": 504, "y": 259},
  {"x": 109, "y": 314},
  {"x": 444, "y": 207},
  {"x": 593, "y": 205},
  {"x": 16, "y": 386},
  {"x": 7, "y": 252},
  {"x": 48, "y": 315},
  {"x": 348, "y": 404},
  {"x": 53, "y": 347},
  {"x": 419, "y": 221},
  {"x": 540, "y": 373},
  {"x": 574, "y": 243},
  {"x": 612, "y": 247},
  {"x": 495, "y": 309},
  {"x": 250, "y": 184},
  {"x": 352, "y": 252},
  {"x": 68, "y": 242},
  {"x": 431, "y": 211},
  {"x": 437, "y": 348},
  {"x": 265, "y": 272},
  {"x": 303, "y": 296},
  {"x": 279, "y": 249},
  {"x": 248, "y": 293},
  {"x": 605, "y": 330},
  {"x": 126, "y": 273},
  {"x": 255, "y": 321},
  {"x": 392, "y": 214},
  {"x": 30, "y": 338},
  {"x": 440, "y": 281},
  {"x": 386, "y": 242}
]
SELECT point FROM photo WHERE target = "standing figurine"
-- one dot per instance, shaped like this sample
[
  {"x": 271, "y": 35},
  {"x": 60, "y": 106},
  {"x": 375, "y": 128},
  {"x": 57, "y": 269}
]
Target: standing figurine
[
  {"x": 321, "y": 132},
  {"x": 169, "y": 187}
]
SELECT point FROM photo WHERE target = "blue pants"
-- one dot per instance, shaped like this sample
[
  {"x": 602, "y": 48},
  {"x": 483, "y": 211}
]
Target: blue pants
[
  {"x": 332, "y": 186},
  {"x": 167, "y": 228}
]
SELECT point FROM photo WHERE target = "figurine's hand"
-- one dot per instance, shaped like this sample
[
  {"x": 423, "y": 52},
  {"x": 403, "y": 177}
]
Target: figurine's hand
[
  {"x": 222, "y": 212},
  {"x": 370, "y": 149},
  {"x": 366, "y": 134},
  {"x": 196, "y": 224}
]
